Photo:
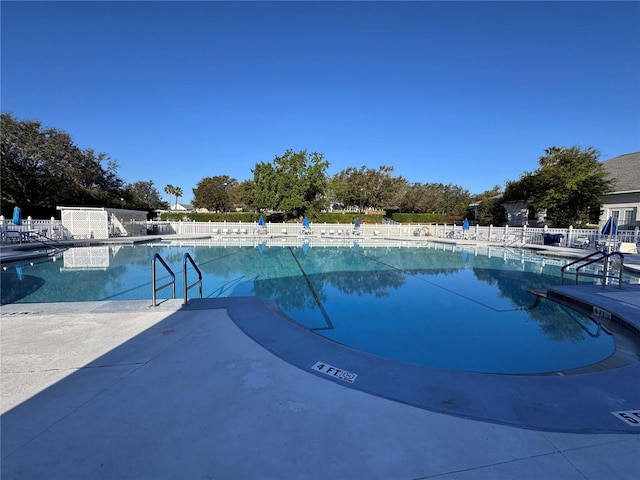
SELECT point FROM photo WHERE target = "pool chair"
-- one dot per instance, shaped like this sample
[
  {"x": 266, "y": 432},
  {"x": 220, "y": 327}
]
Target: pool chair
[
  {"x": 628, "y": 247},
  {"x": 509, "y": 239},
  {"x": 581, "y": 242},
  {"x": 306, "y": 231}
]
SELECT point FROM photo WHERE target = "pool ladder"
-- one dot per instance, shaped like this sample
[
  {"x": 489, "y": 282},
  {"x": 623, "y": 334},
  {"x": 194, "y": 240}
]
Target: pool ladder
[
  {"x": 591, "y": 259},
  {"x": 172, "y": 282}
]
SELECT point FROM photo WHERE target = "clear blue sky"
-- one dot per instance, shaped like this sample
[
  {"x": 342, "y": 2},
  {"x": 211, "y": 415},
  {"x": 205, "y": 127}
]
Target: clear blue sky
[{"x": 450, "y": 92}]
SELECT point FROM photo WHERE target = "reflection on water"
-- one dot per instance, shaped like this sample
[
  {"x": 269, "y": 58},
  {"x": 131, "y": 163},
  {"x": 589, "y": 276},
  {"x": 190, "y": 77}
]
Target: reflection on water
[{"x": 462, "y": 309}]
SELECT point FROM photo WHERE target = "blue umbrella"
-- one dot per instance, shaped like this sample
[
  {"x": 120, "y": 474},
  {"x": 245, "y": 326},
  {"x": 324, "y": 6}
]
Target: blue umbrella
[
  {"x": 357, "y": 223},
  {"x": 465, "y": 224},
  {"x": 611, "y": 227},
  {"x": 305, "y": 222},
  {"x": 17, "y": 216},
  {"x": 261, "y": 221}
]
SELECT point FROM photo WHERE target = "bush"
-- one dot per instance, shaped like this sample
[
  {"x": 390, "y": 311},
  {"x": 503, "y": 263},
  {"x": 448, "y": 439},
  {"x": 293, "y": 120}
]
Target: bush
[{"x": 423, "y": 218}]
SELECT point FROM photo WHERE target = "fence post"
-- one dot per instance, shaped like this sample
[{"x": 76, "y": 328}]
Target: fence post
[{"x": 636, "y": 235}]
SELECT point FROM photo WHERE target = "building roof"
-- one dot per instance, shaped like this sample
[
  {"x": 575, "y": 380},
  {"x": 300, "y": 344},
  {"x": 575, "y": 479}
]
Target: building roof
[{"x": 624, "y": 170}]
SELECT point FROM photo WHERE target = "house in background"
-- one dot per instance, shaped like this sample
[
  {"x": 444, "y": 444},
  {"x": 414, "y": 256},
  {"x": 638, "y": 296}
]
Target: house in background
[
  {"x": 623, "y": 202},
  {"x": 181, "y": 207}
]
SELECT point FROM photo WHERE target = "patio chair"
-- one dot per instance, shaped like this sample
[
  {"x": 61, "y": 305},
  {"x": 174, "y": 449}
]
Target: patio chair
[
  {"x": 581, "y": 242},
  {"x": 628, "y": 247}
]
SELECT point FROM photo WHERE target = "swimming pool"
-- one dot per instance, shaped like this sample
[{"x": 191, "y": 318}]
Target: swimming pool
[{"x": 441, "y": 306}]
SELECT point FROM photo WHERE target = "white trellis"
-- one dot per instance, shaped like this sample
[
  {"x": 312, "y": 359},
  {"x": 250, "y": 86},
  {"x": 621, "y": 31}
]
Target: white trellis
[{"x": 100, "y": 222}]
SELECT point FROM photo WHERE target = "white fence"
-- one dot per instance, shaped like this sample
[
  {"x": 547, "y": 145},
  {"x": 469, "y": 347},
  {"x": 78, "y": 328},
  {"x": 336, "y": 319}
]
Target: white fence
[{"x": 571, "y": 237}]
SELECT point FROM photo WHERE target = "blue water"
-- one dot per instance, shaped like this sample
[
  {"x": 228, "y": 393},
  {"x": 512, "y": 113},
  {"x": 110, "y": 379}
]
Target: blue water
[{"x": 448, "y": 309}]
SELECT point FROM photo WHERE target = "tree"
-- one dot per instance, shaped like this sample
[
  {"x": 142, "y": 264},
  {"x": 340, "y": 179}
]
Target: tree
[
  {"x": 171, "y": 190},
  {"x": 213, "y": 193},
  {"x": 294, "y": 183},
  {"x": 144, "y": 196},
  {"x": 435, "y": 198},
  {"x": 367, "y": 188},
  {"x": 43, "y": 167},
  {"x": 487, "y": 207},
  {"x": 570, "y": 184}
]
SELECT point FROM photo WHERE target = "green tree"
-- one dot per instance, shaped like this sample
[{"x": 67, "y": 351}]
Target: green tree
[
  {"x": 487, "y": 208},
  {"x": 43, "y": 167},
  {"x": 144, "y": 196},
  {"x": 215, "y": 193},
  {"x": 367, "y": 188},
  {"x": 570, "y": 184},
  {"x": 173, "y": 191},
  {"x": 435, "y": 198},
  {"x": 294, "y": 183}
]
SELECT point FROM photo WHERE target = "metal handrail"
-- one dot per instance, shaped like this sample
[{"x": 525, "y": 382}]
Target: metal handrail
[
  {"x": 184, "y": 270},
  {"x": 155, "y": 289},
  {"x": 601, "y": 256}
]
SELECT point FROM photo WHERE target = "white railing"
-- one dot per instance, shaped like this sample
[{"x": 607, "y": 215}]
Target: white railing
[
  {"x": 52, "y": 229},
  {"x": 571, "y": 237}
]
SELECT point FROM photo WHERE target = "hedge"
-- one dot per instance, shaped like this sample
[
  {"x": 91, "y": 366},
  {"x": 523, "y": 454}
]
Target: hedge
[{"x": 335, "y": 217}]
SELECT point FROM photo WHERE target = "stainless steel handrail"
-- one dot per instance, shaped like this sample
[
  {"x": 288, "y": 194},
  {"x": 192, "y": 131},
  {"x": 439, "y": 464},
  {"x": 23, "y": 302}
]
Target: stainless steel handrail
[
  {"x": 184, "y": 270},
  {"x": 590, "y": 259},
  {"x": 155, "y": 289}
]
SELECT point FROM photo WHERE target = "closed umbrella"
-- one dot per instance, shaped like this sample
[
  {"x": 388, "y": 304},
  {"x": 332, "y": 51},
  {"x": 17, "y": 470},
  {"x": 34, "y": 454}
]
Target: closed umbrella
[
  {"x": 357, "y": 223},
  {"x": 305, "y": 222},
  {"x": 261, "y": 221},
  {"x": 610, "y": 229},
  {"x": 17, "y": 216}
]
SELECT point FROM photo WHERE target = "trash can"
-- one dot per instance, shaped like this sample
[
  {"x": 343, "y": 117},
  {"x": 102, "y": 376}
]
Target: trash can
[{"x": 552, "y": 238}]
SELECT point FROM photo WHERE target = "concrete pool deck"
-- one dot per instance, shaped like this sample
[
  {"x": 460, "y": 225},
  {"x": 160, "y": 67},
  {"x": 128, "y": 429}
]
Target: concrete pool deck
[
  {"x": 225, "y": 389},
  {"x": 125, "y": 390}
]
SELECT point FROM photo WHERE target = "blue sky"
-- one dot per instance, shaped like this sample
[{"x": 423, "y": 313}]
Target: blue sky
[{"x": 468, "y": 93}]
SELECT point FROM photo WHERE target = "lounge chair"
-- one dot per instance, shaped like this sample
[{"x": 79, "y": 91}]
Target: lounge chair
[
  {"x": 581, "y": 242},
  {"x": 628, "y": 247}
]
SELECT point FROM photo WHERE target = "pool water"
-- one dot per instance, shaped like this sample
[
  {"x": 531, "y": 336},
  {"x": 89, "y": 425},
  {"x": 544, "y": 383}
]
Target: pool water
[{"x": 452, "y": 309}]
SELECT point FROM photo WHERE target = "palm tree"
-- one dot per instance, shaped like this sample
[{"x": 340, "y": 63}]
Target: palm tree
[{"x": 171, "y": 190}]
